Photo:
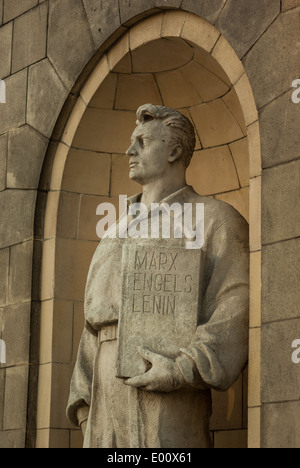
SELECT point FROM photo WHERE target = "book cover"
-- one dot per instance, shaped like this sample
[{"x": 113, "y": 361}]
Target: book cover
[{"x": 160, "y": 303}]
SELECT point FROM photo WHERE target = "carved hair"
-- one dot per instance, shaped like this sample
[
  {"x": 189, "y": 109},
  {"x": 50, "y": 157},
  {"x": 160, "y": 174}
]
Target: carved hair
[{"x": 182, "y": 133}]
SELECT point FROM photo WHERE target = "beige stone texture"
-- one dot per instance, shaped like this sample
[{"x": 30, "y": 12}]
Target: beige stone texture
[
  {"x": 255, "y": 289},
  {"x": 87, "y": 172},
  {"x": 14, "y": 8},
  {"x": 96, "y": 79},
  {"x": 289, "y": 4},
  {"x": 30, "y": 35},
  {"x": 136, "y": 89},
  {"x": 58, "y": 167},
  {"x": 120, "y": 183},
  {"x": 72, "y": 258},
  {"x": 254, "y": 150},
  {"x": 228, "y": 60},
  {"x": 76, "y": 439},
  {"x": 46, "y": 96},
  {"x": 44, "y": 400},
  {"x": 212, "y": 172},
  {"x": 227, "y": 409},
  {"x": 52, "y": 438},
  {"x": 4, "y": 270},
  {"x": 280, "y": 202},
  {"x": 56, "y": 331},
  {"x": 20, "y": 282},
  {"x": 240, "y": 153},
  {"x": 208, "y": 85},
  {"x": 254, "y": 418},
  {"x": 232, "y": 101},
  {"x": 48, "y": 270},
  {"x": 61, "y": 377},
  {"x": 246, "y": 98},
  {"x": 12, "y": 114},
  {"x": 176, "y": 91},
  {"x": 15, "y": 398},
  {"x": 274, "y": 418},
  {"x": 3, "y": 161},
  {"x": 16, "y": 323},
  {"x": 161, "y": 55},
  {"x": 239, "y": 199},
  {"x": 186, "y": 112},
  {"x": 230, "y": 439},
  {"x": 147, "y": 31},
  {"x": 5, "y": 49},
  {"x": 208, "y": 61},
  {"x": 280, "y": 280},
  {"x": 200, "y": 32},
  {"x": 255, "y": 214},
  {"x": 254, "y": 367},
  {"x": 61, "y": 215},
  {"x": 104, "y": 97},
  {"x": 88, "y": 219},
  {"x": 173, "y": 22},
  {"x": 99, "y": 127},
  {"x": 73, "y": 122},
  {"x": 215, "y": 123},
  {"x": 116, "y": 56}
]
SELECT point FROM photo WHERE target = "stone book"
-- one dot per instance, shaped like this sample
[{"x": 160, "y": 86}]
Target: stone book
[{"x": 160, "y": 303}]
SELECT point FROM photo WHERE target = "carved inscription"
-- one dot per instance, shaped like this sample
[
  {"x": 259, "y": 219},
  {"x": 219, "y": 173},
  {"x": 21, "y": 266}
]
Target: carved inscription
[
  {"x": 156, "y": 282},
  {"x": 160, "y": 302}
]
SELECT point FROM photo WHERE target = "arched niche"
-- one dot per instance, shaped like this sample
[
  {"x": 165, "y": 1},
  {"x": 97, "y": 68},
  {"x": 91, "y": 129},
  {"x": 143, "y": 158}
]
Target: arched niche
[{"x": 179, "y": 60}]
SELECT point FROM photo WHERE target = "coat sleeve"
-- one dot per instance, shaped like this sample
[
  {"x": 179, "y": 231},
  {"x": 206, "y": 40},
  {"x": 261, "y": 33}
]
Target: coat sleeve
[
  {"x": 81, "y": 382},
  {"x": 218, "y": 352}
]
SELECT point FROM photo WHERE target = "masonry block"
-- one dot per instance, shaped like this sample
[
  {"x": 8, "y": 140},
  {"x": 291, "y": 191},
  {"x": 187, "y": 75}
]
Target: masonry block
[{"x": 30, "y": 35}]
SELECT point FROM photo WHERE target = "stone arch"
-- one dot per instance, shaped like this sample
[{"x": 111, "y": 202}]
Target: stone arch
[{"x": 192, "y": 48}]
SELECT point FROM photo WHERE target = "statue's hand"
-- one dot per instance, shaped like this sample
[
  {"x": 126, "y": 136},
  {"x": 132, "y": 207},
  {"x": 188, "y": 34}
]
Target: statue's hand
[{"x": 164, "y": 375}]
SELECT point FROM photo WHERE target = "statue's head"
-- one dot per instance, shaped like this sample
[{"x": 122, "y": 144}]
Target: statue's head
[{"x": 163, "y": 137}]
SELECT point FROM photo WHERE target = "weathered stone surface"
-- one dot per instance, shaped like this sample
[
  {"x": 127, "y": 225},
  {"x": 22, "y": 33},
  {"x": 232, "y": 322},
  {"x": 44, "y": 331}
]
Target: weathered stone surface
[
  {"x": 280, "y": 425},
  {"x": 15, "y": 398},
  {"x": 12, "y": 114},
  {"x": 207, "y": 10},
  {"x": 288, "y": 4},
  {"x": 70, "y": 42},
  {"x": 273, "y": 62},
  {"x": 279, "y": 130},
  {"x": 46, "y": 96},
  {"x": 4, "y": 269},
  {"x": 12, "y": 439},
  {"x": 2, "y": 386},
  {"x": 3, "y": 161},
  {"x": 280, "y": 377},
  {"x": 280, "y": 280},
  {"x": 17, "y": 209},
  {"x": 16, "y": 323},
  {"x": 30, "y": 34},
  {"x": 20, "y": 273},
  {"x": 135, "y": 9},
  {"x": 103, "y": 18},
  {"x": 26, "y": 150},
  {"x": 280, "y": 202},
  {"x": 1, "y": 11},
  {"x": 257, "y": 15},
  {"x": 14, "y": 8},
  {"x": 5, "y": 49}
]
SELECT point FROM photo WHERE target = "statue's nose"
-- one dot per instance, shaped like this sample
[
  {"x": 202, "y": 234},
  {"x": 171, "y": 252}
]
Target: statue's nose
[{"x": 131, "y": 151}]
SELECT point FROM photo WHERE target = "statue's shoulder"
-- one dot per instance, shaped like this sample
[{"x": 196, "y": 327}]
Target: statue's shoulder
[{"x": 214, "y": 209}]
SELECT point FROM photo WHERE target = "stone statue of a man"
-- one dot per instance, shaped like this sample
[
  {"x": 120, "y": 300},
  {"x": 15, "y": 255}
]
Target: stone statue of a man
[{"x": 169, "y": 404}]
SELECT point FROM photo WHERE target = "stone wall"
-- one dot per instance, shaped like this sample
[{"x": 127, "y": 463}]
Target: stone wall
[{"x": 47, "y": 51}]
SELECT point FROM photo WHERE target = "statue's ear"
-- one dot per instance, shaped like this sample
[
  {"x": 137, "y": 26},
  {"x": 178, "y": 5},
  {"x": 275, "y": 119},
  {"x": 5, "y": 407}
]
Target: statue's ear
[{"x": 175, "y": 154}]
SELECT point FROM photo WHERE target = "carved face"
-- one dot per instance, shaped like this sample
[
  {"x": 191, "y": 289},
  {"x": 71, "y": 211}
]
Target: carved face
[{"x": 150, "y": 152}]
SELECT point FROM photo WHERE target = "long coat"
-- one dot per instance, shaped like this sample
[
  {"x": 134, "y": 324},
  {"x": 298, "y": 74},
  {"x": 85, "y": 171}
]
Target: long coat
[{"x": 120, "y": 416}]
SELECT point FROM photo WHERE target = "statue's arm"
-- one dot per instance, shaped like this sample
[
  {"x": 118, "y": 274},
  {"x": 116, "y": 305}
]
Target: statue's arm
[
  {"x": 218, "y": 352},
  {"x": 81, "y": 382}
]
